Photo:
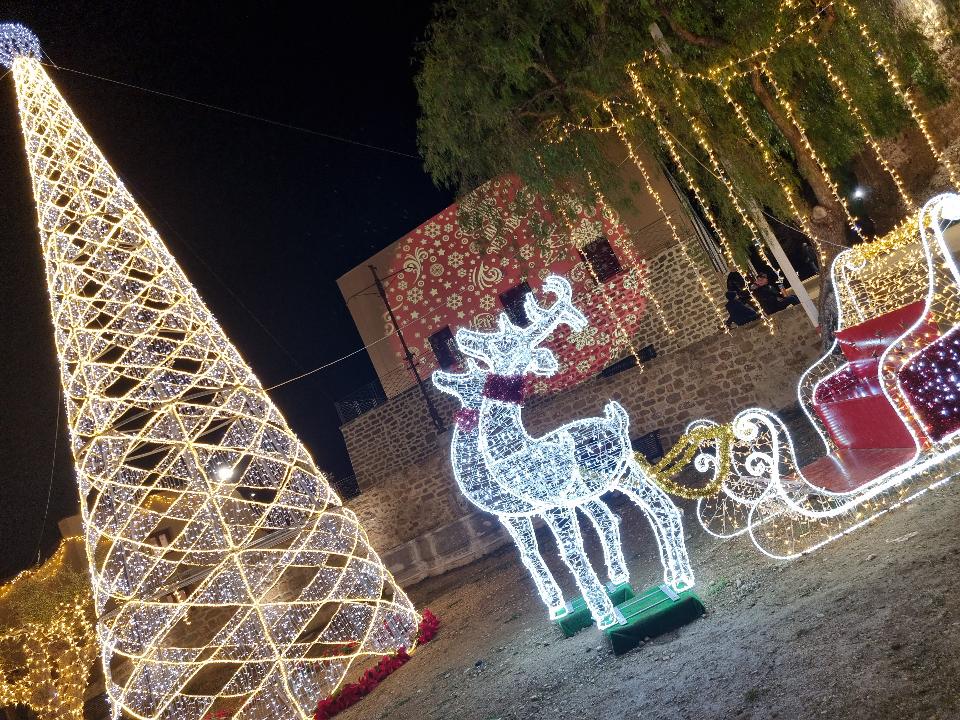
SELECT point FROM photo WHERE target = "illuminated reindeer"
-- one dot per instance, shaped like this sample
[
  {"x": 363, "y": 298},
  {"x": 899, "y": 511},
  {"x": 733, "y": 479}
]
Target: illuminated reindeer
[{"x": 504, "y": 470}]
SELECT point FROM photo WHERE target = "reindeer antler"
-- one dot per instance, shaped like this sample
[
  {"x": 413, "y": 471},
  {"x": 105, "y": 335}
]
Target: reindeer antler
[{"x": 543, "y": 321}]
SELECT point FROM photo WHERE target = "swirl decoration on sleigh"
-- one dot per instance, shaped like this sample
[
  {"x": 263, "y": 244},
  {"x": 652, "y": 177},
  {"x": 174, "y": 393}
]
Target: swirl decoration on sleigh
[{"x": 885, "y": 400}]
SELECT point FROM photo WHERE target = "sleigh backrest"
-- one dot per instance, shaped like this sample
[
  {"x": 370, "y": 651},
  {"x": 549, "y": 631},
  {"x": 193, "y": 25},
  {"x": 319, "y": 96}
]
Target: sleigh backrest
[{"x": 906, "y": 270}]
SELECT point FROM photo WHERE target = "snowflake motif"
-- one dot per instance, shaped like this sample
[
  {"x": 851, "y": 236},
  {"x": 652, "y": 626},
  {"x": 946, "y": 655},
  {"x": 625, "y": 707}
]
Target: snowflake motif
[
  {"x": 401, "y": 285},
  {"x": 431, "y": 230},
  {"x": 462, "y": 272},
  {"x": 584, "y": 338},
  {"x": 414, "y": 295},
  {"x": 454, "y": 301},
  {"x": 504, "y": 261},
  {"x": 583, "y": 366},
  {"x": 448, "y": 228},
  {"x": 487, "y": 302},
  {"x": 455, "y": 260},
  {"x": 436, "y": 270},
  {"x": 526, "y": 251}
]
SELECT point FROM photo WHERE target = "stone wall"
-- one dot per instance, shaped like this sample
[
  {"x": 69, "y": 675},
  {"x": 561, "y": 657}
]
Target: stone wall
[
  {"x": 687, "y": 313},
  {"x": 714, "y": 377}
]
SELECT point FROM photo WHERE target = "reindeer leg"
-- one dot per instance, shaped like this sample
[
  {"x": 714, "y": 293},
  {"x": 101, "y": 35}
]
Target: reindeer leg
[
  {"x": 563, "y": 522},
  {"x": 667, "y": 525},
  {"x": 521, "y": 530},
  {"x": 608, "y": 528}
]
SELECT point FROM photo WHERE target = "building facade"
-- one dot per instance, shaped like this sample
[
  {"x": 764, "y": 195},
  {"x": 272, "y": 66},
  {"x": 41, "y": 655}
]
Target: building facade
[{"x": 441, "y": 276}]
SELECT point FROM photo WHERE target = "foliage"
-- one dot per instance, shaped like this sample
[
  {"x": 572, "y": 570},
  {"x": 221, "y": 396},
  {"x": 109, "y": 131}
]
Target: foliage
[{"x": 499, "y": 82}]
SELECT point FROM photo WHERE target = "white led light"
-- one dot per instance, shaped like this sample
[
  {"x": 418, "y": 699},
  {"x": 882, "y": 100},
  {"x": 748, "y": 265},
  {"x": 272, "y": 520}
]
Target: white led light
[
  {"x": 17, "y": 41},
  {"x": 505, "y": 471}
]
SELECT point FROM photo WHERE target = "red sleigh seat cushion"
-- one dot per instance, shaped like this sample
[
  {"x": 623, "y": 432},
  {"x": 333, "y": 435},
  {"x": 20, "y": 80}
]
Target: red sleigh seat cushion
[
  {"x": 864, "y": 422},
  {"x": 851, "y": 402},
  {"x": 870, "y": 338}
]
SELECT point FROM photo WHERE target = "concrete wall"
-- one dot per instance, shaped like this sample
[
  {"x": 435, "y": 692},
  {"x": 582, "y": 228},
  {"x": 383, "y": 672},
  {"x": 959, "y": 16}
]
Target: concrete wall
[{"x": 412, "y": 509}]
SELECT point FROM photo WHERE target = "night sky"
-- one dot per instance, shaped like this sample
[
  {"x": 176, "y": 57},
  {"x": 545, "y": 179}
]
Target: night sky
[{"x": 263, "y": 219}]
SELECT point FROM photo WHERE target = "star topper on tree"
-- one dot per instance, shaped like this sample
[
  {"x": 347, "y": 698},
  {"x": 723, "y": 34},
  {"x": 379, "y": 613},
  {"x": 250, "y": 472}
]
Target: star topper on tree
[{"x": 504, "y": 470}]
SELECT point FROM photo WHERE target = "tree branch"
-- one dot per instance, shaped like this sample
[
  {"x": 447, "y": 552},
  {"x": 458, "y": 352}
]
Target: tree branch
[
  {"x": 546, "y": 72},
  {"x": 829, "y": 17},
  {"x": 684, "y": 34},
  {"x": 808, "y": 167}
]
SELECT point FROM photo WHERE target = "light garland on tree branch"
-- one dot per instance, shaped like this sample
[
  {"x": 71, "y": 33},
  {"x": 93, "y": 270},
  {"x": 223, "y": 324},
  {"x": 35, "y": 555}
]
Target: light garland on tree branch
[
  {"x": 667, "y": 139},
  {"x": 652, "y": 192},
  {"x": 47, "y": 640}
]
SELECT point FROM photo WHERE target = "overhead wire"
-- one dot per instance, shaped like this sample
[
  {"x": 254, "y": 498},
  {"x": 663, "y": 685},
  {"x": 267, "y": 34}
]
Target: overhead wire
[
  {"x": 238, "y": 113},
  {"x": 53, "y": 466}
]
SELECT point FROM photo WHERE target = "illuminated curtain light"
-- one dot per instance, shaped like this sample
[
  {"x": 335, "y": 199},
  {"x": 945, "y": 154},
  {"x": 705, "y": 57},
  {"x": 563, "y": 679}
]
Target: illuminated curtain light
[
  {"x": 639, "y": 269},
  {"x": 503, "y": 470},
  {"x": 788, "y": 192},
  {"x": 623, "y": 335},
  {"x": 47, "y": 640},
  {"x": 652, "y": 192},
  {"x": 841, "y": 88},
  {"x": 720, "y": 173},
  {"x": 226, "y": 573},
  {"x": 564, "y": 132},
  {"x": 667, "y": 139},
  {"x": 766, "y": 494},
  {"x": 902, "y": 92}
]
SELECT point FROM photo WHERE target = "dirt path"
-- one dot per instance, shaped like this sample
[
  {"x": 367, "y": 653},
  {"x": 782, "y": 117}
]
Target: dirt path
[{"x": 868, "y": 627}]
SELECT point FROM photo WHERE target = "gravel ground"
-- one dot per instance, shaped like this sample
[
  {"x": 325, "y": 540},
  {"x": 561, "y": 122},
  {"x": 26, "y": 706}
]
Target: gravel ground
[{"x": 867, "y": 627}]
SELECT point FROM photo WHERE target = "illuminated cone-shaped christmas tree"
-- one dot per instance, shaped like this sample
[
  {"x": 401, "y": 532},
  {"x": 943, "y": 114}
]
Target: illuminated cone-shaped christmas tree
[{"x": 226, "y": 574}]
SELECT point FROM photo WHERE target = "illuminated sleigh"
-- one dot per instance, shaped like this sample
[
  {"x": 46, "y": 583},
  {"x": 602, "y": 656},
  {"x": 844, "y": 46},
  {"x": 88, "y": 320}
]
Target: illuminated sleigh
[{"x": 885, "y": 401}]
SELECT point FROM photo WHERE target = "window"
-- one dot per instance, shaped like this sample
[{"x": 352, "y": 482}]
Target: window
[
  {"x": 445, "y": 348},
  {"x": 512, "y": 301},
  {"x": 602, "y": 258}
]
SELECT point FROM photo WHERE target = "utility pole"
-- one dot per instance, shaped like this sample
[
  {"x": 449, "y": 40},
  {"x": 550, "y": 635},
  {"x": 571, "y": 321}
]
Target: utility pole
[{"x": 434, "y": 415}]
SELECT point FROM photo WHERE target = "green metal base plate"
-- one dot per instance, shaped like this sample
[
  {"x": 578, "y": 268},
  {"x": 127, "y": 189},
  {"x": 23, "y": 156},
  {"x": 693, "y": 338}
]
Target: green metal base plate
[
  {"x": 653, "y": 612},
  {"x": 578, "y": 616}
]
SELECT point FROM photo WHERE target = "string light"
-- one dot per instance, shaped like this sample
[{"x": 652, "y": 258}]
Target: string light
[
  {"x": 652, "y": 192},
  {"x": 721, "y": 175},
  {"x": 667, "y": 140},
  {"x": 841, "y": 88},
  {"x": 788, "y": 192},
  {"x": 226, "y": 573},
  {"x": 636, "y": 266},
  {"x": 47, "y": 638},
  {"x": 902, "y": 91},
  {"x": 621, "y": 331},
  {"x": 505, "y": 471},
  {"x": 784, "y": 102}
]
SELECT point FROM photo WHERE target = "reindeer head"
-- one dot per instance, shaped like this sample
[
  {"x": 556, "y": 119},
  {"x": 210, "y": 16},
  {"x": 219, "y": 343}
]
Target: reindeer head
[
  {"x": 512, "y": 350},
  {"x": 467, "y": 386}
]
